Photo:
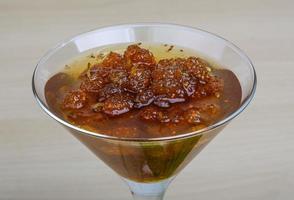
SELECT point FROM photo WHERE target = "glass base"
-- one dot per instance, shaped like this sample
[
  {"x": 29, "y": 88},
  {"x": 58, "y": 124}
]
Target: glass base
[{"x": 148, "y": 191}]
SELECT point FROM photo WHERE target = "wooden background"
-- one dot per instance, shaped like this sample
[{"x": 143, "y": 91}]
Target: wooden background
[{"x": 252, "y": 159}]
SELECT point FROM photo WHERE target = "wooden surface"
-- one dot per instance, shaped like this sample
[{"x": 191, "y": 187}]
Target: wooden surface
[{"x": 252, "y": 159}]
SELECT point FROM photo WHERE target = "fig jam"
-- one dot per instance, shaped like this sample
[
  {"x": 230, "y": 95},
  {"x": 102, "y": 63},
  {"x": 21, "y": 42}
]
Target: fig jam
[{"x": 135, "y": 92}]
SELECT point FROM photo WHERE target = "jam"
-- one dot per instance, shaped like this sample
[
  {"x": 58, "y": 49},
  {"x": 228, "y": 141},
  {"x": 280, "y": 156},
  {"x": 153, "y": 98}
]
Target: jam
[{"x": 136, "y": 94}]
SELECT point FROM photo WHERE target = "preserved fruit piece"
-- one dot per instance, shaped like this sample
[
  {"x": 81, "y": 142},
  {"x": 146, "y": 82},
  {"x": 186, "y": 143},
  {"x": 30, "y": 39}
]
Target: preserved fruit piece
[
  {"x": 212, "y": 87},
  {"x": 94, "y": 78},
  {"x": 119, "y": 77},
  {"x": 144, "y": 98},
  {"x": 134, "y": 55},
  {"x": 167, "y": 80},
  {"x": 92, "y": 86},
  {"x": 117, "y": 104},
  {"x": 113, "y": 60},
  {"x": 139, "y": 79},
  {"x": 75, "y": 100},
  {"x": 107, "y": 91},
  {"x": 197, "y": 68}
]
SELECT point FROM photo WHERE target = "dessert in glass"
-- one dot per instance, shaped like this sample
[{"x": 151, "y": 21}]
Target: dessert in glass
[{"x": 145, "y": 98}]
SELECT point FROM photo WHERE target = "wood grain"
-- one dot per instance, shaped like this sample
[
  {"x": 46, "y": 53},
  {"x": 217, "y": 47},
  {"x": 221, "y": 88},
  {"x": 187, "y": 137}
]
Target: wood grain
[{"x": 251, "y": 159}]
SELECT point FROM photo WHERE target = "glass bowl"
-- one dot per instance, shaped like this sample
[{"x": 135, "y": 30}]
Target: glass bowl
[{"x": 147, "y": 164}]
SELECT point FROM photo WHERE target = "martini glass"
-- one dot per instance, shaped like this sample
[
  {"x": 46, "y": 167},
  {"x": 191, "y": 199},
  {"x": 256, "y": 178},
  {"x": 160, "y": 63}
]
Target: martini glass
[{"x": 147, "y": 165}]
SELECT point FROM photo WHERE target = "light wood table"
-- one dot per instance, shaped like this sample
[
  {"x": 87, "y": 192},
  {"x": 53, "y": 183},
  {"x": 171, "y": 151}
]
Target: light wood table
[{"x": 252, "y": 159}]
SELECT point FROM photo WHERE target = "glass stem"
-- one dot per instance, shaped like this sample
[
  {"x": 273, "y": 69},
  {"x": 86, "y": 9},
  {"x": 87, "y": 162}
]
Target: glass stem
[{"x": 148, "y": 191}]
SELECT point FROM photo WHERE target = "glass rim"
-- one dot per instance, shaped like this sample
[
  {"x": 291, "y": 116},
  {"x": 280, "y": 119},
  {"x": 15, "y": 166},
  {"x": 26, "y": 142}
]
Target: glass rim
[{"x": 213, "y": 126}]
